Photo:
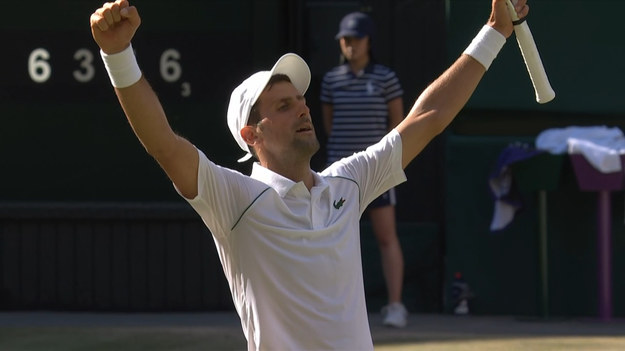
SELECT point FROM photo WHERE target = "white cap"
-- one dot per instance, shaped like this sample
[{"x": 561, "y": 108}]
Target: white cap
[{"x": 245, "y": 95}]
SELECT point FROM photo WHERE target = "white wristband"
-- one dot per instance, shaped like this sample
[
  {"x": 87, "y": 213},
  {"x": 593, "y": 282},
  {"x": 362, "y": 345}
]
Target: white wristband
[
  {"x": 122, "y": 67},
  {"x": 486, "y": 45}
]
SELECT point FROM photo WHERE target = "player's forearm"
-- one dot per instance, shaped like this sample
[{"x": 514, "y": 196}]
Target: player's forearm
[
  {"x": 140, "y": 103},
  {"x": 438, "y": 105},
  {"x": 147, "y": 118},
  {"x": 441, "y": 101},
  {"x": 176, "y": 155},
  {"x": 448, "y": 94}
]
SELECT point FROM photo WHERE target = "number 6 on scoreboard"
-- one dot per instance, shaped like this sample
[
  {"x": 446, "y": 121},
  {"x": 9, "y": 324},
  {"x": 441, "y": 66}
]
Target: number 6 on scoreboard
[{"x": 542, "y": 87}]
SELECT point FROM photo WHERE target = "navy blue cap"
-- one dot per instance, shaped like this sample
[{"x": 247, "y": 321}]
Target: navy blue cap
[{"x": 355, "y": 24}]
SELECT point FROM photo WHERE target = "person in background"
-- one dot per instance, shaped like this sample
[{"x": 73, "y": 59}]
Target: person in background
[{"x": 361, "y": 102}]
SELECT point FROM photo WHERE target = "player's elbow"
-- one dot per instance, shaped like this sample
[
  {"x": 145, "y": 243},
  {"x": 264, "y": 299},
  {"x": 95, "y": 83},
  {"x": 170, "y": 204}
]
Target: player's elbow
[
  {"x": 163, "y": 151},
  {"x": 432, "y": 123},
  {"x": 159, "y": 152}
]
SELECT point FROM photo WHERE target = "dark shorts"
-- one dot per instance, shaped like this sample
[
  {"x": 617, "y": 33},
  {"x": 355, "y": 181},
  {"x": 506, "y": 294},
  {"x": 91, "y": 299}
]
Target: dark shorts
[{"x": 387, "y": 198}]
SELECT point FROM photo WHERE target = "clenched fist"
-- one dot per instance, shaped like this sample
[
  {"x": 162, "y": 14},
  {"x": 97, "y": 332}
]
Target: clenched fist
[{"x": 113, "y": 25}]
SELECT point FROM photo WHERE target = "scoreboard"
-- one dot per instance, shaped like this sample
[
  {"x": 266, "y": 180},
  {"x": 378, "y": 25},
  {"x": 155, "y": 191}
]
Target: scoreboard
[
  {"x": 54, "y": 67},
  {"x": 63, "y": 136},
  {"x": 180, "y": 44}
]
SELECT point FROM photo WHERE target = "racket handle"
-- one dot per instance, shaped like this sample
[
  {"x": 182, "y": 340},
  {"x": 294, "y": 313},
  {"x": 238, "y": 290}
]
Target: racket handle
[{"x": 535, "y": 68}]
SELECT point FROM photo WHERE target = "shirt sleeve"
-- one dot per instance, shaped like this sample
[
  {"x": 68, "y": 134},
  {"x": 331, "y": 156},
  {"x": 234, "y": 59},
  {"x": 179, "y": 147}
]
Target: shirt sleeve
[
  {"x": 223, "y": 195},
  {"x": 375, "y": 170}
]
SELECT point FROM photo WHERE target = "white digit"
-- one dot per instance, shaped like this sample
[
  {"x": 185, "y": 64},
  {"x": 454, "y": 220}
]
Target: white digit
[
  {"x": 186, "y": 89},
  {"x": 170, "y": 67},
  {"x": 38, "y": 68},
  {"x": 86, "y": 64}
]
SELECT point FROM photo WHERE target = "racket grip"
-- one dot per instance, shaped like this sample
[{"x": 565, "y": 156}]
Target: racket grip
[{"x": 535, "y": 68}]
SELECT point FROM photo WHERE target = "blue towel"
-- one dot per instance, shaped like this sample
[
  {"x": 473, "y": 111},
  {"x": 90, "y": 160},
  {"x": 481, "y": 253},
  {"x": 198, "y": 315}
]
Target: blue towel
[{"x": 502, "y": 186}]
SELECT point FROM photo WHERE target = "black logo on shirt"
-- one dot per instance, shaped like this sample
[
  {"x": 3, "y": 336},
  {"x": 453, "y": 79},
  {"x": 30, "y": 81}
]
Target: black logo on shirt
[{"x": 339, "y": 204}]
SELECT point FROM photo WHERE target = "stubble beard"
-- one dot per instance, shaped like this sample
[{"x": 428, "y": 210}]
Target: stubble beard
[{"x": 308, "y": 147}]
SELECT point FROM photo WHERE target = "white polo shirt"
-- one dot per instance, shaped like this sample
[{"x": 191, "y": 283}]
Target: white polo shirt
[{"x": 292, "y": 257}]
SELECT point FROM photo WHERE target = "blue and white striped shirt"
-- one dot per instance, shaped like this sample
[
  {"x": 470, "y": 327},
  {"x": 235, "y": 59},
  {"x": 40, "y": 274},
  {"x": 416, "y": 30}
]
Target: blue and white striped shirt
[{"x": 360, "y": 110}]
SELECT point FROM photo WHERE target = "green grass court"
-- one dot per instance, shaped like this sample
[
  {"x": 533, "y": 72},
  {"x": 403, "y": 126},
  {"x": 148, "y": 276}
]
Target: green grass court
[{"x": 39, "y": 331}]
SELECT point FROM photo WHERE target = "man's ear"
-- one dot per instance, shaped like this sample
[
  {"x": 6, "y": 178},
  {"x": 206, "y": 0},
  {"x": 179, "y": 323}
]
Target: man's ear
[{"x": 248, "y": 133}]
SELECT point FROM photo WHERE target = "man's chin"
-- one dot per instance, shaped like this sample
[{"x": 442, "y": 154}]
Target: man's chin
[{"x": 310, "y": 148}]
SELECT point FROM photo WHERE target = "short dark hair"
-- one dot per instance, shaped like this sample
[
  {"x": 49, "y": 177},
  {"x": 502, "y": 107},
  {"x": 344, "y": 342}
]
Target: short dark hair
[{"x": 255, "y": 117}]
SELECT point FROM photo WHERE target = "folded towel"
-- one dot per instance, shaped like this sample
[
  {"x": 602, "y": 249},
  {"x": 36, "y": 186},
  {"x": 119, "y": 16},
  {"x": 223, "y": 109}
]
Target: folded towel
[
  {"x": 603, "y": 159},
  {"x": 555, "y": 140},
  {"x": 601, "y": 146}
]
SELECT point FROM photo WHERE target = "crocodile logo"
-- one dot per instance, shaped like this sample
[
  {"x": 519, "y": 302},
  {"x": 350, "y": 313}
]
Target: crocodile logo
[{"x": 338, "y": 204}]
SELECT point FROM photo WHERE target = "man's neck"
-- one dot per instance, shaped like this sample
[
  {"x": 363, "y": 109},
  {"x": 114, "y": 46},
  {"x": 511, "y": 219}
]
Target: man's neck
[{"x": 297, "y": 172}]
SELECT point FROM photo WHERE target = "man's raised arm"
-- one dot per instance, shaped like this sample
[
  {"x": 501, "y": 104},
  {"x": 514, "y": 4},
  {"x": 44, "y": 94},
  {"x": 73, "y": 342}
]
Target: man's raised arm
[
  {"x": 113, "y": 27},
  {"x": 442, "y": 100}
]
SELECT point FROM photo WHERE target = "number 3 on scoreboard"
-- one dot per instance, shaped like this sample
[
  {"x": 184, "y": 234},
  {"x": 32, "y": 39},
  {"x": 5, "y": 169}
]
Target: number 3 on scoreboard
[{"x": 85, "y": 57}]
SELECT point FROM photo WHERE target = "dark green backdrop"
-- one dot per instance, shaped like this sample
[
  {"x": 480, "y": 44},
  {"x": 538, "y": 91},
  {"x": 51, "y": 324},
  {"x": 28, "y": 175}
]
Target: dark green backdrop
[{"x": 68, "y": 142}]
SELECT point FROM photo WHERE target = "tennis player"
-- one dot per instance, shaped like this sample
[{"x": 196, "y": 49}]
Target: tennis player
[{"x": 288, "y": 237}]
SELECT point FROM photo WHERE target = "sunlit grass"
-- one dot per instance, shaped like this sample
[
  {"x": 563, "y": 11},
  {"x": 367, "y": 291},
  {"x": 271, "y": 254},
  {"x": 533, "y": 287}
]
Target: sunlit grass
[
  {"x": 203, "y": 338},
  {"x": 593, "y": 343}
]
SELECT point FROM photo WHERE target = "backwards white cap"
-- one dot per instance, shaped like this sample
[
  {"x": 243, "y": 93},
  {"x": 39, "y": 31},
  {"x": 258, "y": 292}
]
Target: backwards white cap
[{"x": 245, "y": 95}]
